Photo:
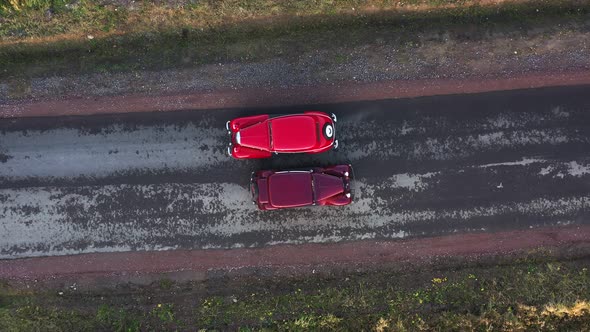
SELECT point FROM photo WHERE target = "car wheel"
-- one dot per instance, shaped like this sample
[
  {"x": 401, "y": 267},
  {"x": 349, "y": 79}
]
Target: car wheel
[
  {"x": 334, "y": 117},
  {"x": 227, "y": 127},
  {"x": 328, "y": 131},
  {"x": 229, "y": 150},
  {"x": 335, "y": 145}
]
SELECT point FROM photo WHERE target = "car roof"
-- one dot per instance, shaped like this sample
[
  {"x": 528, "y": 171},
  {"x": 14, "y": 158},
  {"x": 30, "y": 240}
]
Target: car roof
[
  {"x": 294, "y": 133},
  {"x": 289, "y": 189}
]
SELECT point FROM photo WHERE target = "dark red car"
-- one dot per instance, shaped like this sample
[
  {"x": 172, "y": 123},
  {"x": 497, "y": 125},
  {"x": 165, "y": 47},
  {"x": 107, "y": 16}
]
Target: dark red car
[
  {"x": 261, "y": 135},
  {"x": 273, "y": 190}
]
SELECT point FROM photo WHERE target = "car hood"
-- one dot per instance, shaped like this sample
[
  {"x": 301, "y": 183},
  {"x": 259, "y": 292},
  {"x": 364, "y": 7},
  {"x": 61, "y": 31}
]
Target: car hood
[
  {"x": 326, "y": 186},
  {"x": 255, "y": 137}
]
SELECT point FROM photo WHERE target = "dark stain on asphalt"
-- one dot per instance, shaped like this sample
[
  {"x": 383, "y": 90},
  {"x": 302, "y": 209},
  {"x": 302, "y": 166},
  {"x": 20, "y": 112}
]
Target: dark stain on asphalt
[{"x": 4, "y": 158}]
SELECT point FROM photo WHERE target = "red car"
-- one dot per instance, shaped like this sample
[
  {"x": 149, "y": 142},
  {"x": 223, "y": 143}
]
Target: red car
[
  {"x": 273, "y": 190},
  {"x": 261, "y": 135}
]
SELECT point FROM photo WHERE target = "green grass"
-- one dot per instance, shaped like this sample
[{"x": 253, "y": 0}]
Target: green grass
[
  {"x": 118, "y": 320},
  {"x": 531, "y": 295},
  {"x": 27, "y": 5}
]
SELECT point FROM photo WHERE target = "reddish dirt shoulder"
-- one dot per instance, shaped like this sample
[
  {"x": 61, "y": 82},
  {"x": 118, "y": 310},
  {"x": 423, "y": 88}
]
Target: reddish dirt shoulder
[
  {"x": 291, "y": 96},
  {"x": 292, "y": 257}
]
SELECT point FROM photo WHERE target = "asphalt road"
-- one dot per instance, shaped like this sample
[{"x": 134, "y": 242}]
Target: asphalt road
[{"x": 423, "y": 166}]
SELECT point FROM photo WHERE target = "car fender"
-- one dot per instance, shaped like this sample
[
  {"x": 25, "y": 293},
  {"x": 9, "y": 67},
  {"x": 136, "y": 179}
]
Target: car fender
[
  {"x": 337, "y": 200},
  {"x": 242, "y": 152},
  {"x": 236, "y": 124}
]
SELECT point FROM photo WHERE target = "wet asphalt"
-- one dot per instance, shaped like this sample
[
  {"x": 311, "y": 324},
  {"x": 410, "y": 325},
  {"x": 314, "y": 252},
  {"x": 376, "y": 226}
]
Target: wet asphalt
[{"x": 423, "y": 167}]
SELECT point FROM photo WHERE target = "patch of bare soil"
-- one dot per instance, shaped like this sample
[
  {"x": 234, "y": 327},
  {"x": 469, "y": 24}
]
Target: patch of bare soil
[{"x": 92, "y": 270}]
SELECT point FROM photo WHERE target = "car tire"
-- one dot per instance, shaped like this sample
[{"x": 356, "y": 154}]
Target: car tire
[
  {"x": 328, "y": 131},
  {"x": 335, "y": 146},
  {"x": 227, "y": 127},
  {"x": 334, "y": 118}
]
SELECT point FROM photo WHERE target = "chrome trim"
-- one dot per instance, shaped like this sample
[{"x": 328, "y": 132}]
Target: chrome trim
[
  {"x": 280, "y": 172},
  {"x": 334, "y": 140}
]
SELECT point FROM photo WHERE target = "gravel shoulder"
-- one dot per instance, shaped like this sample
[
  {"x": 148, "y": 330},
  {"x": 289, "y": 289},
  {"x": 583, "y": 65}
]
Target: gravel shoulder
[{"x": 224, "y": 98}]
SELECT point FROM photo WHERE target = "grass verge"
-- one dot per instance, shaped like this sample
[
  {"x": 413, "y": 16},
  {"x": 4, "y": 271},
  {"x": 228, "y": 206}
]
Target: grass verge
[
  {"x": 527, "y": 295},
  {"x": 193, "y": 36},
  {"x": 36, "y": 19}
]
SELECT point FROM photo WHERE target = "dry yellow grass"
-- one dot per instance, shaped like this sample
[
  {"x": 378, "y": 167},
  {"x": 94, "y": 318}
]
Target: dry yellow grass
[{"x": 578, "y": 309}]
